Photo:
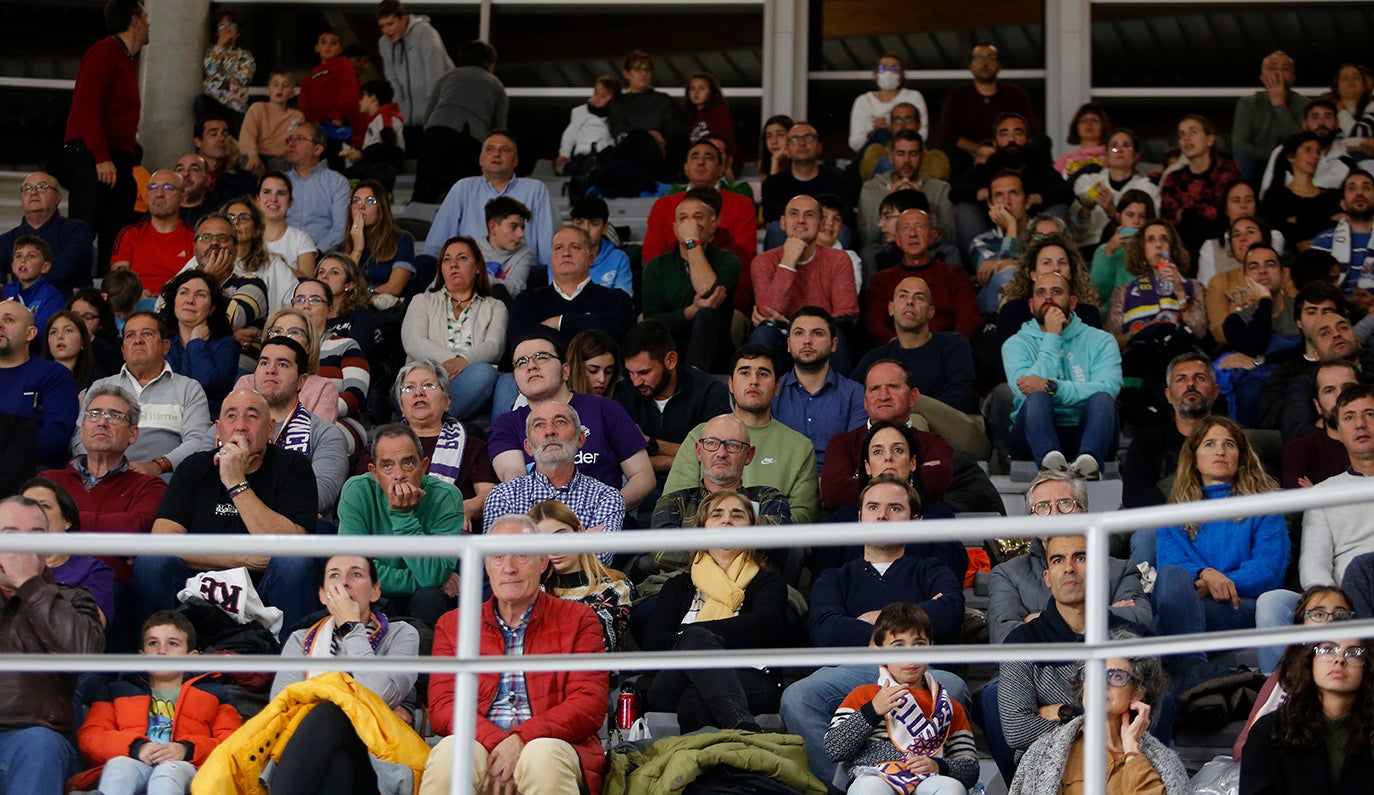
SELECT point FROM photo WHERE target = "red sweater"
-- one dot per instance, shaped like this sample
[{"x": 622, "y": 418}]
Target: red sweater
[
  {"x": 736, "y": 232},
  {"x": 827, "y": 281},
  {"x": 330, "y": 92},
  {"x": 105, "y": 102},
  {"x": 567, "y": 705},
  {"x": 122, "y": 503},
  {"x": 118, "y": 721},
  {"x": 951, "y": 293}
]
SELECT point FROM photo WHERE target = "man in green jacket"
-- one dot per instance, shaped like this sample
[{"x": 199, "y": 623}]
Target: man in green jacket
[{"x": 396, "y": 497}]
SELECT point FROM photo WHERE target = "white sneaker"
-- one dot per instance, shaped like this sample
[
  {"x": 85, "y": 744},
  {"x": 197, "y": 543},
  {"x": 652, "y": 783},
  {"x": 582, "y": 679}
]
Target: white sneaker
[
  {"x": 1085, "y": 466},
  {"x": 1055, "y": 460}
]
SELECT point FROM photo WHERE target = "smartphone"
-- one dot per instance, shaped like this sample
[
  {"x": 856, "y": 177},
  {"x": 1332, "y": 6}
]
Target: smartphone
[{"x": 1128, "y": 231}]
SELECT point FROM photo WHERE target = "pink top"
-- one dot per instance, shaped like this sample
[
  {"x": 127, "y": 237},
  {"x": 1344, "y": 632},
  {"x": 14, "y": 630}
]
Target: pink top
[{"x": 320, "y": 396}]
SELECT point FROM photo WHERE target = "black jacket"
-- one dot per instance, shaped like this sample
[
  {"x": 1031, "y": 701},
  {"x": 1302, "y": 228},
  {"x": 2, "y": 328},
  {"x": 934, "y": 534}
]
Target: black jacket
[{"x": 1269, "y": 769}]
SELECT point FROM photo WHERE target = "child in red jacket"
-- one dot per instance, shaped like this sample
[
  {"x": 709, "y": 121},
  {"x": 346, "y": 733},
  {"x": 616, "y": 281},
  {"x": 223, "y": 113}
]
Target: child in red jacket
[{"x": 150, "y": 735}]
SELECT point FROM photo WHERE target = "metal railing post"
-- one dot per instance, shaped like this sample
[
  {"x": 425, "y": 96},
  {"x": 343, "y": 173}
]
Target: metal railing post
[
  {"x": 1095, "y": 670},
  {"x": 465, "y": 682}
]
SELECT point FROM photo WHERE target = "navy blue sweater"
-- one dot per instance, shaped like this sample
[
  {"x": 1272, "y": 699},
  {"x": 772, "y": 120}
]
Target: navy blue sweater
[
  {"x": 856, "y": 588},
  {"x": 596, "y": 307}
]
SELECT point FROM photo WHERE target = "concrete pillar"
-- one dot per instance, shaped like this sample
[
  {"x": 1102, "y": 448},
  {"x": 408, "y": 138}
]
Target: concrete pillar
[
  {"x": 171, "y": 77},
  {"x": 1068, "y": 64},
  {"x": 785, "y": 60}
]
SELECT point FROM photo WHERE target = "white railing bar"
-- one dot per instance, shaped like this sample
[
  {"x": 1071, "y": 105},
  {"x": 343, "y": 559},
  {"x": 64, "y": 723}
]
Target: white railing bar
[
  {"x": 1095, "y": 634},
  {"x": 580, "y": 92},
  {"x": 915, "y": 76},
  {"x": 733, "y": 658},
  {"x": 1190, "y": 92},
  {"x": 465, "y": 683}
]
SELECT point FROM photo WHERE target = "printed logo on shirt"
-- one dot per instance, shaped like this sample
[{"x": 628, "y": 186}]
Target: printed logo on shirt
[
  {"x": 224, "y": 509},
  {"x": 161, "y": 417},
  {"x": 766, "y": 461},
  {"x": 585, "y": 458}
]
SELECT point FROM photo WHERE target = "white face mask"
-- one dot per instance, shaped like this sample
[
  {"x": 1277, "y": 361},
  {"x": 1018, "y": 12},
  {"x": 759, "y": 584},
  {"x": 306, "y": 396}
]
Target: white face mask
[{"x": 889, "y": 80}]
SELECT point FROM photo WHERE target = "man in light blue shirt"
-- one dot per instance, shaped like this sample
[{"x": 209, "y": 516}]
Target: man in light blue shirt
[
  {"x": 464, "y": 209},
  {"x": 813, "y": 399},
  {"x": 319, "y": 195}
]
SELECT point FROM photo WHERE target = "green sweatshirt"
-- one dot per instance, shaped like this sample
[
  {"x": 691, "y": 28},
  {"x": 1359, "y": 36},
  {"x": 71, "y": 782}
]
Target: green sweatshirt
[
  {"x": 364, "y": 510},
  {"x": 783, "y": 459}
]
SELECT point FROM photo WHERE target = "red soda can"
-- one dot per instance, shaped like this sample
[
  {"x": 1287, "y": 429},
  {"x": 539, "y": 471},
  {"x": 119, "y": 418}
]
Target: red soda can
[{"x": 627, "y": 710}]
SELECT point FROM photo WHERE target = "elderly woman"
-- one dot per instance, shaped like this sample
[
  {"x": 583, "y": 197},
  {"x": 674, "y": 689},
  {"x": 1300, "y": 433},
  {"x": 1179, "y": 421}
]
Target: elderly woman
[
  {"x": 729, "y": 600},
  {"x": 1137, "y": 763},
  {"x": 454, "y": 453},
  {"x": 458, "y": 323},
  {"x": 1322, "y": 738}
]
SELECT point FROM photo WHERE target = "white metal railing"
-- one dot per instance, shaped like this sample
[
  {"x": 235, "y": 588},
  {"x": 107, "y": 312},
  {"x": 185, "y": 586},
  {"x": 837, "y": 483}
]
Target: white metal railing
[{"x": 467, "y": 664}]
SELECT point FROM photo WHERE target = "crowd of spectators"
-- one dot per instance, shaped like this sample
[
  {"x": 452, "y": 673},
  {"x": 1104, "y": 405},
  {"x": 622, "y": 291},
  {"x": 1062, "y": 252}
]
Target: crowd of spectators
[{"x": 269, "y": 351}]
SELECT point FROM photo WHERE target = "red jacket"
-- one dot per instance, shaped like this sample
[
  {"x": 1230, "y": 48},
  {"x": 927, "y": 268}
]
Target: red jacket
[
  {"x": 567, "y": 705},
  {"x": 736, "y": 231},
  {"x": 123, "y": 503},
  {"x": 119, "y": 720},
  {"x": 330, "y": 92},
  {"x": 951, "y": 293}
]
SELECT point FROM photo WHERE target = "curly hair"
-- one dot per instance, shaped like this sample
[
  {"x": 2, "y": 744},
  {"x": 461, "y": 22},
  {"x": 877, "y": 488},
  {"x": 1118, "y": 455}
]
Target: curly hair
[
  {"x": 1019, "y": 288},
  {"x": 349, "y": 301},
  {"x": 1250, "y": 477},
  {"x": 218, "y": 320},
  {"x": 1299, "y": 723},
  {"x": 1135, "y": 250}
]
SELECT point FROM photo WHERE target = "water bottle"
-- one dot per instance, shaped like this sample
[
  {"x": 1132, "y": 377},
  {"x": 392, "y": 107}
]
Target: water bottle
[{"x": 1165, "y": 286}]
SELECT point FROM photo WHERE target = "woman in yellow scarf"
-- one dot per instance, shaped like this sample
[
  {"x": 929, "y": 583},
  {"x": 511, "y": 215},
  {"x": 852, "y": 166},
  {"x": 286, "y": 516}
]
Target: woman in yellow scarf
[{"x": 729, "y": 600}]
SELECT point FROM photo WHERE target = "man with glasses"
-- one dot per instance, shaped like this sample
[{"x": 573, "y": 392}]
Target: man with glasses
[
  {"x": 554, "y": 437},
  {"x": 970, "y": 110},
  {"x": 198, "y": 198},
  {"x": 319, "y": 202},
  {"x": 283, "y": 366},
  {"x": 174, "y": 417},
  {"x": 397, "y": 497},
  {"x": 156, "y": 248},
  {"x": 32, "y": 387},
  {"x": 70, "y": 239},
  {"x": 613, "y": 452},
  {"x": 722, "y": 452},
  {"x": 112, "y": 496},
  {"x": 954, "y": 303},
  {"x": 806, "y": 176}
]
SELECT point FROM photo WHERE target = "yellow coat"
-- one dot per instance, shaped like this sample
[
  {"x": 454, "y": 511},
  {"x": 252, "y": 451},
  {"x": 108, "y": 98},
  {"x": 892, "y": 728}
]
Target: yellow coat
[{"x": 239, "y": 761}]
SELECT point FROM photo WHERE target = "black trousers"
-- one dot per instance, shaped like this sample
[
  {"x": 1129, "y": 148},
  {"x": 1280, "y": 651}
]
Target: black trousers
[
  {"x": 107, "y": 209},
  {"x": 325, "y": 756},
  {"x": 726, "y": 698}
]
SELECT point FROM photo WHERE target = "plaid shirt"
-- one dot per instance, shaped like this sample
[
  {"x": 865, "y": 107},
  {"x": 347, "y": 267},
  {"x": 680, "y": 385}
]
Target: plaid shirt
[
  {"x": 593, "y": 502},
  {"x": 679, "y": 509},
  {"x": 511, "y": 707},
  {"x": 994, "y": 244}
]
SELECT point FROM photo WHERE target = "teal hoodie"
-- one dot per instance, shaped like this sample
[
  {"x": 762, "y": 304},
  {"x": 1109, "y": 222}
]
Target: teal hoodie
[{"x": 1082, "y": 359}]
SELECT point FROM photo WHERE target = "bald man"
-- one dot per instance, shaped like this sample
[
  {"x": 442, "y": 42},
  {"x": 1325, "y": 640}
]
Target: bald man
[
  {"x": 70, "y": 239},
  {"x": 247, "y": 486},
  {"x": 722, "y": 469},
  {"x": 39, "y": 390},
  {"x": 156, "y": 248}
]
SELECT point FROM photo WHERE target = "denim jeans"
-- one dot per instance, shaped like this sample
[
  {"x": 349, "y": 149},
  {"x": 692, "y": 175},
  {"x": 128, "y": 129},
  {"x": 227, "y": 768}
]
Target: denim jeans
[
  {"x": 471, "y": 388},
  {"x": 1143, "y": 542},
  {"x": 1182, "y": 612},
  {"x": 503, "y": 395},
  {"x": 1034, "y": 432},
  {"x": 990, "y": 718},
  {"x": 1274, "y": 609},
  {"x": 290, "y": 584},
  {"x": 125, "y": 775},
  {"x": 808, "y": 705},
  {"x": 34, "y": 761}
]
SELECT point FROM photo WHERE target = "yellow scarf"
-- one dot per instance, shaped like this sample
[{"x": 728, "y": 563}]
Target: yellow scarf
[{"x": 723, "y": 590}]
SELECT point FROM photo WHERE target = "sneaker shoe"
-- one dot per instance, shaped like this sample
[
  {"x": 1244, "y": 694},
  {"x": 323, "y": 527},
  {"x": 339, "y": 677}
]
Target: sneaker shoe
[
  {"x": 1085, "y": 466},
  {"x": 1055, "y": 460}
]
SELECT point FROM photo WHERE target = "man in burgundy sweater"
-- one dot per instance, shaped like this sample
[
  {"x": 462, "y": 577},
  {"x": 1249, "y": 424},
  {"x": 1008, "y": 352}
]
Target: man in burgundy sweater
[
  {"x": 102, "y": 128},
  {"x": 951, "y": 291}
]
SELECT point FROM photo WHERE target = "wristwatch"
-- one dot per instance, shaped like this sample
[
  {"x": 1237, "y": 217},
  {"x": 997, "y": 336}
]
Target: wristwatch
[
  {"x": 691, "y": 244},
  {"x": 1067, "y": 712},
  {"x": 1259, "y": 360},
  {"x": 1051, "y": 387},
  {"x": 346, "y": 627}
]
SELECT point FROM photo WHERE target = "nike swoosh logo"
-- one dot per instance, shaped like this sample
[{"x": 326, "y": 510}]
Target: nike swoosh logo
[{"x": 765, "y": 462}]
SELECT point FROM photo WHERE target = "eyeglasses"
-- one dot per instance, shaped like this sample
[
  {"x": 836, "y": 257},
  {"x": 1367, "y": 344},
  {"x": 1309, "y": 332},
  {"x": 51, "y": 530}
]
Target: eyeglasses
[
  {"x": 1352, "y": 654},
  {"x": 295, "y": 139},
  {"x": 809, "y": 138},
  {"x": 886, "y": 68},
  {"x": 227, "y": 26},
  {"x": 984, "y": 58},
  {"x": 732, "y": 446},
  {"x": 428, "y": 386},
  {"x": 1061, "y": 505},
  {"x": 1119, "y": 677},
  {"x": 359, "y": 201},
  {"x": 294, "y": 333},
  {"x": 311, "y": 300},
  {"x": 88, "y": 316},
  {"x": 37, "y": 187},
  {"x": 541, "y": 357},
  {"x": 163, "y": 186},
  {"x": 239, "y": 218},
  {"x": 215, "y": 237},
  {"x": 1119, "y": 148},
  {"x": 407, "y": 464},
  {"x": 1321, "y": 615},
  {"x": 109, "y": 415}
]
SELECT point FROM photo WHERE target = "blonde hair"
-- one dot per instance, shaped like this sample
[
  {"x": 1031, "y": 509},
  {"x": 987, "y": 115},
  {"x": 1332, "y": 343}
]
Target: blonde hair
[
  {"x": 312, "y": 347},
  {"x": 1250, "y": 477},
  {"x": 588, "y": 563}
]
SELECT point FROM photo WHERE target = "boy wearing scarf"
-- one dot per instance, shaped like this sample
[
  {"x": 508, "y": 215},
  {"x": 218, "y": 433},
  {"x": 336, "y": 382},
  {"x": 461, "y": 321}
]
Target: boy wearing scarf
[{"x": 904, "y": 733}]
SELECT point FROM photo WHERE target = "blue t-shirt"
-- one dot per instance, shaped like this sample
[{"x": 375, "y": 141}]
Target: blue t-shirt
[
  {"x": 612, "y": 437},
  {"x": 612, "y": 268}
]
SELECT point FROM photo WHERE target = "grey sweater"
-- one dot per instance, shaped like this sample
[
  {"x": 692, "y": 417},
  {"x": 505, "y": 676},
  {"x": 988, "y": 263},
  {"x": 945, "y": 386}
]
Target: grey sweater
[{"x": 1042, "y": 768}]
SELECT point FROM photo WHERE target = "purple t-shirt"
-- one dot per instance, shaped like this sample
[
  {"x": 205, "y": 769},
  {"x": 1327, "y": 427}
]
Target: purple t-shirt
[
  {"x": 93, "y": 575},
  {"x": 612, "y": 437}
]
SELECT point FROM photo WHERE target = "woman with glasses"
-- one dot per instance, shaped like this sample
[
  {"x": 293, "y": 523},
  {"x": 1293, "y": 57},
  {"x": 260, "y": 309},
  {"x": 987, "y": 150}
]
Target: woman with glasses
[
  {"x": 1137, "y": 763},
  {"x": 455, "y": 454},
  {"x": 1321, "y": 739},
  {"x": 385, "y": 253},
  {"x": 290, "y": 243},
  {"x": 584, "y": 578},
  {"x": 319, "y": 395},
  {"x": 351, "y": 313},
  {"x": 203, "y": 348},
  {"x": 1089, "y": 130},
  {"x": 594, "y": 363},
  {"x": 1190, "y": 195},
  {"x": 729, "y": 599},
  {"x": 457, "y": 322},
  {"x": 1211, "y": 573},
  {"x": 341, "y": 361},
  {"x": 253, "y": 260},
  {"x": 1099, "y": 192}
]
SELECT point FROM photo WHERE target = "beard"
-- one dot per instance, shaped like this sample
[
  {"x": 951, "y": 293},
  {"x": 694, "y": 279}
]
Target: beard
[
  {"x": 1361, "y": 216},
  {"x": 814, "y": 366},
  {"x": 1193, "y": 411}
]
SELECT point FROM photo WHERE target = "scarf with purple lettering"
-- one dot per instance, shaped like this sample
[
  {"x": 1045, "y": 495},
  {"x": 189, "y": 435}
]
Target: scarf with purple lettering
[
  {"x": 295, "y": 432},
  {"x": 448, "y": 451},
  {"x": 376, "y": 631},
  {"x": 913, "y": 733}
]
